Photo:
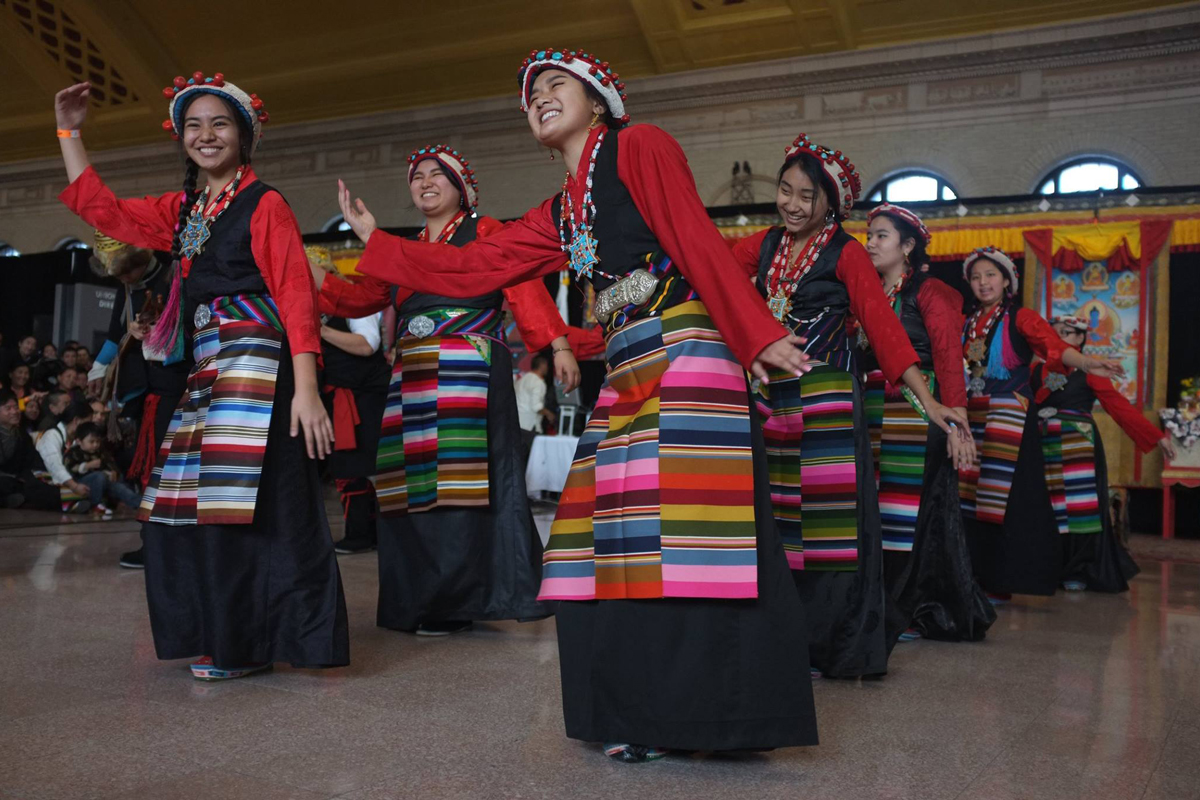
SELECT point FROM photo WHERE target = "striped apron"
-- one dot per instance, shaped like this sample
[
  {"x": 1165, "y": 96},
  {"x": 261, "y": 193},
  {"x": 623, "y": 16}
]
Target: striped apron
[
  {"x": 659, "y": 501},
  {"x": 433, "y": 443},
  {"x": 899, "y": 437},
  {"x": 1069, "y": 453},
  {"x": 997, "y": 421},
  {"x": 210, "y": 461}
]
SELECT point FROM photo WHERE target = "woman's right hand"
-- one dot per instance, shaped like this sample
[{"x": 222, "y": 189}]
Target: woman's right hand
[
  {"x": 71, "y": 106},
  {"x": 355, "y": 212},
  {"x": 783, "y": 354}
]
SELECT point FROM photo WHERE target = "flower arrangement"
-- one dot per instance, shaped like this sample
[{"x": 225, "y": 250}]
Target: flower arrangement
[{"x": 1183, "y": 421}]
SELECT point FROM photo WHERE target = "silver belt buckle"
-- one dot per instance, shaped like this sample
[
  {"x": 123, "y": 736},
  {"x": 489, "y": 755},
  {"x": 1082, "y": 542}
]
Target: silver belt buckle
[
  {"x": 421, "y": 327},
  {"x": 1048, "y": 412},
  {"x": 202, "y": 316},
  {"x": 632, "y": 290}
]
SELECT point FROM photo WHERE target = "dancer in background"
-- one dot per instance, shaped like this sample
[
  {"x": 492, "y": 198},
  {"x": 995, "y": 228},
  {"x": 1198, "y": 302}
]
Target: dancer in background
[
  {"x": 458, "y": 542},
  {"x": 134, "y": 377},
  {"x": 1005, "y": 502},
  {"x": 1076, "y": 469},
  {"x": 240, "y": 569},
  {"x": 679, "y": 626},
  {"x": 926, "y": 564},
  {"x": 354, "y": 385},
  {"x": 813, "y": 275}
]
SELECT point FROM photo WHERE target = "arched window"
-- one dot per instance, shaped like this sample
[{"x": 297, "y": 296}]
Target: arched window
[
  {"x": 7, "y": 249},
  {"x": 1089, "y": 174},
  {"x": 71, "y": 243},
  {"x": 337, "y": 223},
  {"x": 912, "y": 186}
]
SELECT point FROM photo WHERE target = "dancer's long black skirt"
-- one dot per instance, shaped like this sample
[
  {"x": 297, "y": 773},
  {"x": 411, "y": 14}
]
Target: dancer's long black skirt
[
  {"x": 264, "y": 592},
  {"x": 1099, "y": 559},
  {"x": 933, "y": 587},
  {"x": 1024, "y": 555},
  {"x": 454, "y": 564},
  {"x": 850, "y": 621},
  {"x": 694, "y": 674}
]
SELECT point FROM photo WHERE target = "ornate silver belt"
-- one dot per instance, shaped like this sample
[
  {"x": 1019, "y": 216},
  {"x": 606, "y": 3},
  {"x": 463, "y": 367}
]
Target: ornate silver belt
[
  {"x": 1048, "y": 412},
  {"x": 202, "y": 316},
  {"x": 634, "y": 289}
]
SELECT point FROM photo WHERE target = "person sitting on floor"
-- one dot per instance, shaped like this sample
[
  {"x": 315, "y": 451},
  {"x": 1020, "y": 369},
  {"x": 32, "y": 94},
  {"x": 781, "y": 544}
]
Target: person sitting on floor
[
  {"x": 77, "y": 495},
  {"x": 88, "y": 457}
]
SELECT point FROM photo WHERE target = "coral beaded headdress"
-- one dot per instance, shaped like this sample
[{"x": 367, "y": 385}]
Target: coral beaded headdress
[
  {"x": 249, "y": 105},
  {"x": 904, "y": 215},
  {"x": 837, "y": 166},
  {"x": 459, "y": 170},
  {"x": 586, "y": 67}
]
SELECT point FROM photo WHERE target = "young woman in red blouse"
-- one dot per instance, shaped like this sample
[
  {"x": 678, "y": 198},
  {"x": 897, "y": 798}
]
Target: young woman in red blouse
[
  {"x": 1005, "y": 503},
  {"x": 678, "y": 626},
  {"x": 814, "y": 276},
  {"x": 449, "y": 552},
  {"x": 240, "y": 568},
  {"x": 1076, "y": 470},
  {"x": 926, "y": 565}
]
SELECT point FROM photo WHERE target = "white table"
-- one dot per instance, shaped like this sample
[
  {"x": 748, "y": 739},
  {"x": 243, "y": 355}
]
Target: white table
[{"x": 549, "y": 462}]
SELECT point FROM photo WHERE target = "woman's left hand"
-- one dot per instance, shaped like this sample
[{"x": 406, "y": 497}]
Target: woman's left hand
[
  {"x": 566, "y": 370},
  {"x": 309, "y": 413},
  {"x": 1104, "y": 367},
  {"x": 943, "y": 416},
  {"x": 1167, "y": 445}
]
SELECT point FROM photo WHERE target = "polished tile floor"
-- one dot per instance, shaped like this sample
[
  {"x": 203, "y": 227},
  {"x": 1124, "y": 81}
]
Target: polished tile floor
[{"x": 1070, "y": 697}]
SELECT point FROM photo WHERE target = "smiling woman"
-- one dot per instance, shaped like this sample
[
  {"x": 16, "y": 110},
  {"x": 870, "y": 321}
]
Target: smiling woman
[{"x": 239, "y": 560}]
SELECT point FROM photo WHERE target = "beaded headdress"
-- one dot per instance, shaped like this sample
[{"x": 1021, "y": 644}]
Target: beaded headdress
[
  {"x": 1077, "y": 323},
  {"x": 587, "y": 68},
  {"x": 997, "y": 256},
  {"x": 249, "y": 105},
  {"x": 837, "y": 166},
  {"x": 457, "y": 166},
  {"x": 904, "y": 215}
]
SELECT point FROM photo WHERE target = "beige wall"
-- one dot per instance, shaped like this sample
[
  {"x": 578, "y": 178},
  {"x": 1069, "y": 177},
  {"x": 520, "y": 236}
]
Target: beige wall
[{"x": 990, "y": 113}]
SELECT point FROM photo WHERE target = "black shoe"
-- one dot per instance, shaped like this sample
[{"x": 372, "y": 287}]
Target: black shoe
[
  {"x": 443, "y": 628},
  {"x": 133, "y": 560},
  {"x": 347, "y": 548}
]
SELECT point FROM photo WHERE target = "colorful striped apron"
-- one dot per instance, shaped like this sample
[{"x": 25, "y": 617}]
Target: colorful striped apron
[
  {"x": 899, "y": 437},
  {"x": 211, "y": 459},
  {"x": 659, "y": 501},
  {"x": 1069, "y": 453},
  {"x": 433, "y": 443},
  {"x": 997, "y": 421}
]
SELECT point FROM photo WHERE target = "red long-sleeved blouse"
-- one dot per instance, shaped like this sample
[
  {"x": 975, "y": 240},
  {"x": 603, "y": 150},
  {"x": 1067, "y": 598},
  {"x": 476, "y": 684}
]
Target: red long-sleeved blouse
[
  {"x": 1143, "y": 433},
  {"x": 1042, "y": 339},
  {"x": 941, "y": 311},
  {"x": 868, "y": 303},
  {"x": 654, "y": 170},
  {"x": 274, "y": 241},
  {"x": 536, "y": 315}
]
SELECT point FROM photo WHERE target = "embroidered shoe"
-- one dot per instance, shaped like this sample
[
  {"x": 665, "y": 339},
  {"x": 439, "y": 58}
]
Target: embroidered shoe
[
  {"x": 815, "y": 673},
  {"x": 1075, "y": 586},
  {"x": 205, "y": 670},
  {"x": 910, "y": 635},
  {"x": 634, "y": 753}
]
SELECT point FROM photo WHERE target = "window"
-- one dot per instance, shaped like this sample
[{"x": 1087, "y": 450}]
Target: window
[
  {"x": 338, "y": 223},
  {"x": 912, "y": 186},
  {"x": 7, "y": 249},
  {"x": 71, "y": 243},
  {"x": 1089, "y": 175}
]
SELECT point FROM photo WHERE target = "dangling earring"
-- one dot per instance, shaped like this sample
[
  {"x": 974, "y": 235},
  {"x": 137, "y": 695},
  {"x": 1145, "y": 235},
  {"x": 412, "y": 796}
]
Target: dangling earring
[
  {"x": 829, "y": 216},
  {"x": 595, "y": 121},
  {"x": 551, "y": 153}
]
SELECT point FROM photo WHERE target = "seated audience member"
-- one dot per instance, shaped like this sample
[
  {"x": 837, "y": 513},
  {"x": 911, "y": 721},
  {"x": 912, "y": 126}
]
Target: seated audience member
[
  {"x": 52, "y": 446},
  {"x": 73, "y": 381},
  {"x": 18, "y": 382},
  {"x": 31, "y": 415},
  {"x": 99, "y": 411},
  {"x": 25, "y": 353},
  {"x": 19, "y": 486},
  {"x": 90, "y": 463},
  {"x": 54, "y": 404},
  {"x": 49, "y": 352},
  {"x": 45, "y": 372},
  {"x": 83, "y": 359}
]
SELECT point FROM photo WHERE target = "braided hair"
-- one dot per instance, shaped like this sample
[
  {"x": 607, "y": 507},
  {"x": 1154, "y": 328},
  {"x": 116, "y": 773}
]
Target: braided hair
[{"x": 191, "y": 175}]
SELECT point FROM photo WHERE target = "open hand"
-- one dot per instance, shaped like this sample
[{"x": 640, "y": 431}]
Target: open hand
[
  {"x": 360, "y": 220},
  {"x": 71, "y": 106},
  {"x": 783, "y": 354},
  {"x": 1105, "y": 367},
  {"x": 566, "y": 370}
]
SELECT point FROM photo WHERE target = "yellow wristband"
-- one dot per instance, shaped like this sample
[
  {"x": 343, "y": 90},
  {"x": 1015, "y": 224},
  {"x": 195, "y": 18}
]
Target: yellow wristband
[{"x": 68, "y": 134}]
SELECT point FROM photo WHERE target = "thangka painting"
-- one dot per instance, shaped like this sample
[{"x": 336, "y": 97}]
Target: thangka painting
[{"x": 1111, "y": 304}]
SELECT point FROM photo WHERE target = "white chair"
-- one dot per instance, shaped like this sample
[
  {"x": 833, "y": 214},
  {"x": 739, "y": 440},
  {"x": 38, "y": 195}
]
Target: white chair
[{"x": 566, "y": 420}]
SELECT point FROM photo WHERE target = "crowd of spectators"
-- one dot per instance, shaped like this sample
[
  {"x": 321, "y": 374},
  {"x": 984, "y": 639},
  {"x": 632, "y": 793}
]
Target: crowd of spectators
[{"x": 58, "y": 451}]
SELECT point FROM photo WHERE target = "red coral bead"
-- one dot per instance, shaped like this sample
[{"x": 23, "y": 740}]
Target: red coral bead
[
  {"x": 256, "y": 104},
  {"x": 179, "y": 81},
  {"x": 169, "y": 92},
  {"x": 198, "y": 76},
  {"x": 167, "y": 126},
  {"x": 264, "y": 117}
]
